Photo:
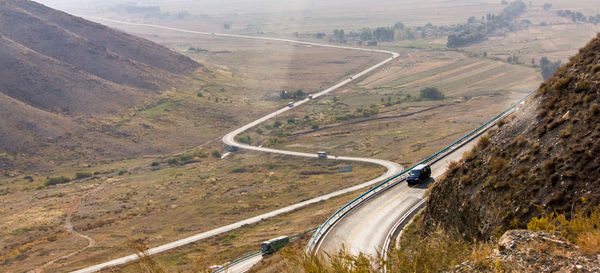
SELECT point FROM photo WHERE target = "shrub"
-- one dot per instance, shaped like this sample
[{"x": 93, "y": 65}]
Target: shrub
[
  {"x": 57, "y": 180},
  {"x": 373, "y": 110},
  {"x": 274, "y": 140},
  {"x": 484, "y": 141},
  {"x": 566, "y": 132},
  {"x": 594, "y": 109},
  {"x": 199, "y": 94},
  {"x": 501, "y": 122},
  {"x": 81, "y": 175},
  {"x": 432, "y": 93},
  {"x": 173, "y": 161},
  {"x": 154, "y": 164},
  {"x": 122, "y": 172},
  {"x": 216, "y": 154},
  {"x": 245, "y": 139},
  {"x": 497, "y": 164}
]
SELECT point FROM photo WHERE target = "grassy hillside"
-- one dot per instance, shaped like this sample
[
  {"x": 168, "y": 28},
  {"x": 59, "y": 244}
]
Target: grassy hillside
[
  {"x": 60, "y": 76},
  {"x": 543, "y": 159}
]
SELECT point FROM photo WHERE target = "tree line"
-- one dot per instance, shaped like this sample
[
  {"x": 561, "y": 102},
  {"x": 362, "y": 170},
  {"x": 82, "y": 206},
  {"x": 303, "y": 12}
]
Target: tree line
[
  {"x": 378, "y": 34},
  {"x": 579, "y": 17},
  {"x": 471, "y": 33}
]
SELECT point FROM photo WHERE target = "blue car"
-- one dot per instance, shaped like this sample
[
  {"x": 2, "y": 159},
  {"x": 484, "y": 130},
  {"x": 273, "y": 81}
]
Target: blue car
[{"x": 419, "y": 174}]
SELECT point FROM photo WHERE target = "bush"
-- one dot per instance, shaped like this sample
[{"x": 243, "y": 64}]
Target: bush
[
  {"x": 484, "y": 141},
  {"x": 199, "y": 94},
  {"x": 81, "y": 175},
  {"x": 594, "y": 109},
  {"x": 183, "y": 159},
  {"x": 122, "y": 172},
  {"x": 274, "y": 140},
  {"x": 497, "y": 164},
  {"x": 432, "y": 93},
  {"x": 57, "y": 180},
  {"x": 245, "y": 139},
  {"x": 501, "y": 122},
  {"x": 216, "y": 154},
  {"x": 173, "y": 161},
  {"x": 154, "y": 164}
]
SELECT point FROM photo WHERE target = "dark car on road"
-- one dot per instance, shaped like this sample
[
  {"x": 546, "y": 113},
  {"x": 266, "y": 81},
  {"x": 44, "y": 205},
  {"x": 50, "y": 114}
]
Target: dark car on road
[{"x": 419, "y": 174}]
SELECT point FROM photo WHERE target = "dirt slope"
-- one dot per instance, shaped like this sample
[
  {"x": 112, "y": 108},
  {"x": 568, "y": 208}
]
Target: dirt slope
[{"x": 544, "y": 158}]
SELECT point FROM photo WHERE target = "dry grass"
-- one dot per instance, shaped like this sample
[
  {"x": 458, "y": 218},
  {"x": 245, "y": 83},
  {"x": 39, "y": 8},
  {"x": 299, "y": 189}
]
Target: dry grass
[{"x": 582, "y": 229}]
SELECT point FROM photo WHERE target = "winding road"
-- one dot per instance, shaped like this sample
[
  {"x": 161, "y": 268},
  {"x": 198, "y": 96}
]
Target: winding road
[
  {"x": 367, "y": 227},
  {"x": 229, "y": 139}
]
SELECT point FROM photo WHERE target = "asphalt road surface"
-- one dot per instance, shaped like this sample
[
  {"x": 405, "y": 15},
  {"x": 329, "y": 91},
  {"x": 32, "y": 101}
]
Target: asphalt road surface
[{"x": 366, "y": 228}]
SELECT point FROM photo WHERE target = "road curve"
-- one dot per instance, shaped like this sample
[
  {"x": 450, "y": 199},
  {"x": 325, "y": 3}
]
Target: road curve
[
  {"x": 242, "y": 266},
  {"x": 366, "y": 228},
  {"x": 229, "y": 139}
]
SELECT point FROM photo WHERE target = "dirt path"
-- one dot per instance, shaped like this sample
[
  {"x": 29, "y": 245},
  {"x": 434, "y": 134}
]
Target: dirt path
[{"x": 69, "y": 228}]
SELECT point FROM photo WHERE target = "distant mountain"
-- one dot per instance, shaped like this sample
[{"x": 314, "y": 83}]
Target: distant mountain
[
  {"x": 64, "y": 64},
  {"x": 544, "y": 158}
]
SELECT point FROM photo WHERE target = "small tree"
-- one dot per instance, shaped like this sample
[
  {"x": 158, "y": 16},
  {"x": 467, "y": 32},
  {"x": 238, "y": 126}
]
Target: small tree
[
  {"x": 216, "y": 154},
  {"x": 548, "y": 67},
  {"x": 432, "y": 93}
]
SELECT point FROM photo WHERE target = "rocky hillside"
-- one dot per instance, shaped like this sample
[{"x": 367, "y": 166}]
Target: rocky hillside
[
  {"x": 543, "y": 158},
  {"x": 529, "y": 252}
]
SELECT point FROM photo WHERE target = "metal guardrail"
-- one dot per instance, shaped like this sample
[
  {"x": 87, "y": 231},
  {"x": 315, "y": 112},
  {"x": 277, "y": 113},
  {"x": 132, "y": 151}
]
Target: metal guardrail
[{"x": 398, "y": 178}]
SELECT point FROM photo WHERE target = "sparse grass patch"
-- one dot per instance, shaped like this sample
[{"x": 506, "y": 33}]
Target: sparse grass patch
[
  {"x": 81, "y": 175},
  {"x": 582, "y": 229},
  {"x": 57, "y": 180}
]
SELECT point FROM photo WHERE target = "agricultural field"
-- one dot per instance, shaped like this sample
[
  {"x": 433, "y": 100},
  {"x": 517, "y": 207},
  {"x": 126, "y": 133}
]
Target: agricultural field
[
  {"x": 551, "y": 36},
  {"x": 382, "y": 116}
]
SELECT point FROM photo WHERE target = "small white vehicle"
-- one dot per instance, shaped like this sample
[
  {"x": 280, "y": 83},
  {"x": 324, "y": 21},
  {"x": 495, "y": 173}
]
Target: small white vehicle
[
  {"x": 290, "y": 104},
  {"x": 322, "y": 155},
  {"x": 215, "y": 268}
]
